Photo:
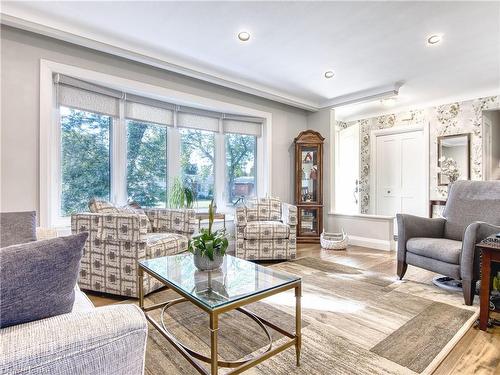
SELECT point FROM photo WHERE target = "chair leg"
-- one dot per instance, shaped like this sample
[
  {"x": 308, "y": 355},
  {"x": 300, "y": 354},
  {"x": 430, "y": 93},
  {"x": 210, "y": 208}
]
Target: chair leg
[
  {"x": 469, "y": 289},
  {"x": 402, "y": 266}
]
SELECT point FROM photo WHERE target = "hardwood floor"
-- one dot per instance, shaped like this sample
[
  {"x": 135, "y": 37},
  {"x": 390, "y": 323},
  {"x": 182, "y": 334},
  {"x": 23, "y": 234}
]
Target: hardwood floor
[{"x": 477, "y": 352}]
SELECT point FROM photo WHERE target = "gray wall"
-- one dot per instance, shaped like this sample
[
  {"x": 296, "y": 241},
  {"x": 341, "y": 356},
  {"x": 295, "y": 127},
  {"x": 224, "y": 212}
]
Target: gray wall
[
  {"x": 20, "y": 58},
  {"x": 321, "y": 122}
]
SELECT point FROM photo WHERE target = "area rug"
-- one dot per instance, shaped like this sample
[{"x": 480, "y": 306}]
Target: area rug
[{"x": 354, "y": 322}]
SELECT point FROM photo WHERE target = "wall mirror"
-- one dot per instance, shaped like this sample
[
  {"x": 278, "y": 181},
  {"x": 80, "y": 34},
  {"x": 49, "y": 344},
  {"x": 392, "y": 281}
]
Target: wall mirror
[{"x": 453, "y": 158}]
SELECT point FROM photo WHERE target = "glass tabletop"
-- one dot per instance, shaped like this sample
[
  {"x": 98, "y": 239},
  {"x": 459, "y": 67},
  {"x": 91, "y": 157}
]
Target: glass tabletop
[{"x": 236, "y": 278}]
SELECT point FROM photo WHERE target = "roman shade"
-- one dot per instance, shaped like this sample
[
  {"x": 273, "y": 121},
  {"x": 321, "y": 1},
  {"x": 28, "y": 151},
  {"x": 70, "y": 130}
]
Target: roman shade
[
  {"x": 87, "y": 96},
  {"x": 139, "y": 108},
  {"x": 242, "y": 125},
  {"x": 194, "y": 118}
]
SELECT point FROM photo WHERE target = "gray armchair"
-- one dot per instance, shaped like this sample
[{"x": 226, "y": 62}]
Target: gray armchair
[{"x": 448, "y": 245}]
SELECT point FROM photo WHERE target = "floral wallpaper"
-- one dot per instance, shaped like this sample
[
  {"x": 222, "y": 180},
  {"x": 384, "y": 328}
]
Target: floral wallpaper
[{"x": 447, "y": 119}]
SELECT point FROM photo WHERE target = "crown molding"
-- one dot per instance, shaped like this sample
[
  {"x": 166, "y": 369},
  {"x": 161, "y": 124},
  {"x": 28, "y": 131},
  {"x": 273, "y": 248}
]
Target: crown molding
[
  {"x": 424, "y": 105},
  {"x": 77, "y": 37},
  {"x": 363, "y": 96}
]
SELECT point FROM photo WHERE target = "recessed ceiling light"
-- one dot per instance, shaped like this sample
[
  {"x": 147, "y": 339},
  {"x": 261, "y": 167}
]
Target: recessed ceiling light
[
  {"x": 434, "y": 39},
  {"x": 329, "y": 74},
  {"x": 244, "y": 36}
]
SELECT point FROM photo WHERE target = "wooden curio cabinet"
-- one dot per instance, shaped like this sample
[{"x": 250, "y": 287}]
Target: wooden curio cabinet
[{"x": 309, "y": 185}]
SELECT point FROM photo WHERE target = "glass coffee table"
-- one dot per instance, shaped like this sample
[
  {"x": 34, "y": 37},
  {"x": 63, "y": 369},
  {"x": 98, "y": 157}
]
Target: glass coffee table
[{"x": 237, "y": 283}]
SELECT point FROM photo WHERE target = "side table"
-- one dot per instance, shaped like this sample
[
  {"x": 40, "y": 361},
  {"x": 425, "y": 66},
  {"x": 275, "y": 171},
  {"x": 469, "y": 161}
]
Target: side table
[
  {"x": 490, "y": 250},
  {"x": 204, "y": 216}
]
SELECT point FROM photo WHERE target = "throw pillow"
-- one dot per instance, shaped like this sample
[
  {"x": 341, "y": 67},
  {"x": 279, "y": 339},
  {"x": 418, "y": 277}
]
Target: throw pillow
[
  {"x": 101, "y": 206},
  {"x": 133, "y": 207},
  {"x": 17, "y": 227},
  {"x": 38, "y": 278}
]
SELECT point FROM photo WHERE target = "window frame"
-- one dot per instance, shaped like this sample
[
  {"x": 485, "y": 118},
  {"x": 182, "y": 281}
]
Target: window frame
[{"x": 50, "y": 141}]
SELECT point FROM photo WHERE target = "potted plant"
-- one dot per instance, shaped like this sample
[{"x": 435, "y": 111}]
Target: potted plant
[{"x": 209, "y": 247}]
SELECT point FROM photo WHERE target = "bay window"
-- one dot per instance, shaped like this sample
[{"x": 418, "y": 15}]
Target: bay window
[{"x": 120, "y": 146}]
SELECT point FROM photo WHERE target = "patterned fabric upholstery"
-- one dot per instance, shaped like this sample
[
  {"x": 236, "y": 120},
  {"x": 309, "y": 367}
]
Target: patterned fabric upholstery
[
  {"x": 116, "y": 243},
  {"x": 172, "y": 220},
  {"x": 289, "y": 214},
  {"x": 266, "y": 238},
  {"x": 101, "y": 206},
  {"x": 265, "y": 230},
  {"x": 162, "y": 244},
  {"x": 264, "y": 209}
]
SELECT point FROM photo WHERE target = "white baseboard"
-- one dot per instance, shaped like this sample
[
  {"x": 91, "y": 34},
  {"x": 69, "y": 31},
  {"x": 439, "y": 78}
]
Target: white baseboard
[{"x": 372, "y": 243}]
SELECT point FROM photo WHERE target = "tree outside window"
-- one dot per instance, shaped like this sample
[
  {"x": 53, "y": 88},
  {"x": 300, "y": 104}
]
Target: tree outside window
[
  {"x": 198, "y": 163},
  {"x": 147, "y": 163},
  {"x": 240, "y": 166},
  {"x": 85, "y": 159}
]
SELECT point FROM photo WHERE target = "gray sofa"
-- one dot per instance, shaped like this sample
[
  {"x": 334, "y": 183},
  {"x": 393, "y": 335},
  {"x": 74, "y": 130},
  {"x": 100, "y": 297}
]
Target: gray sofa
[
  {"x": 448, "y": 245},
  {"x": 107, "y": 340}
]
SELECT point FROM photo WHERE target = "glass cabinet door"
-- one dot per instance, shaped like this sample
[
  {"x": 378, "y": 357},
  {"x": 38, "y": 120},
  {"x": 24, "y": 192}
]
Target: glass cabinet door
[
  {"x": 310, "y": 174},
  {"x": 309, "y": 221}
]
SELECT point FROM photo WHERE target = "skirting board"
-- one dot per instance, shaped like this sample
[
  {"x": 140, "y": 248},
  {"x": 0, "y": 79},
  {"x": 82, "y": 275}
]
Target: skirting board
[{"x": 372, "y": 243}]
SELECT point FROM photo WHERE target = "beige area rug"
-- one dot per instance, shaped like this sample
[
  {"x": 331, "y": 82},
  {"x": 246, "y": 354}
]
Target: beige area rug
[{"x": 354, "y": 322}]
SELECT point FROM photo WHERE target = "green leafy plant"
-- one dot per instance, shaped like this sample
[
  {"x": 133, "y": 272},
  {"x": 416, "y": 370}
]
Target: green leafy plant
[
  {"x": 181, "y": 195},
  {"x": 209, "y": 243}
]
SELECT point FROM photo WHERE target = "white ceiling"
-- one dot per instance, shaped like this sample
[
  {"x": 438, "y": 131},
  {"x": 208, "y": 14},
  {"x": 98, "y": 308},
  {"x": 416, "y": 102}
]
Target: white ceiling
[{"x": 369, "y": 45}]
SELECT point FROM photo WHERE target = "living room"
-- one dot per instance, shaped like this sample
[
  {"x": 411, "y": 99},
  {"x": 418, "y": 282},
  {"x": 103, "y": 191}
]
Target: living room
[{"x": 257, "y": 187}]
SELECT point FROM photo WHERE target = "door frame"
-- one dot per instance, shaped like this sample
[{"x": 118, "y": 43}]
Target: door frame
[{"x": 373, "y": 158}]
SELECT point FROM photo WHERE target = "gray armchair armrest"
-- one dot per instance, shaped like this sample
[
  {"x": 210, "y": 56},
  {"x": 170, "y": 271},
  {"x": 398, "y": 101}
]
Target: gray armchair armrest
[
  {"x": 107, "y": 340},
  {"x": 289, "y": 214},
  {"x": 410, "y": 226},
  {"x": 474, "y": 233}
]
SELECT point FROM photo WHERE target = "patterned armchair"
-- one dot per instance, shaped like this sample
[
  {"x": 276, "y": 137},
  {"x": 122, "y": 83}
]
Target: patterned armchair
[
  {"x": 266, "y": 229},
  {"x": 118, "y": 240}
]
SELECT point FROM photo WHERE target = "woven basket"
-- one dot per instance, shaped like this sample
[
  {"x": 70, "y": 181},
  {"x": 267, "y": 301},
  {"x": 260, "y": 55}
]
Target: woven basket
[{"x": 334, "y": 241}]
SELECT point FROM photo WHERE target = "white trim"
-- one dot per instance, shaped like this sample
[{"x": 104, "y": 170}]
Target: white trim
[
  {"x": 372, "y": 243},
  {"x": 363, "y": 216},
  {"x": 373, "y": 157},
  {"x": 50, "y": 144},
  {"x": 363, "y": 96},
  {"x": 119, "y": 158},
  {"x": 158, "y": 60},
  {"x": 422, "y": 105},
  {"x": 331, "y": 164}
]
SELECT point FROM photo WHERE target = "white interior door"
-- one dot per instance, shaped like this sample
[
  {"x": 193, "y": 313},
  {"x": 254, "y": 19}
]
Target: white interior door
[
  {"x": 388, "y": 170},
  {"x": 347, "y": 170},
  {"x": 413, "y": 181},
  {"x": 400, "y": 174}
]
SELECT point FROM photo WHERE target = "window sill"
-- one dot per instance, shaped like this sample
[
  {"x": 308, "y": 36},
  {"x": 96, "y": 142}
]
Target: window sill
[{"x": 362, "y": 216}]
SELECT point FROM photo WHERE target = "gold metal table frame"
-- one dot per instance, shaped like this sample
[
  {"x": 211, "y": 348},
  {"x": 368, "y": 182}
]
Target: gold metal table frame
[{"x": 240, "y": 365}]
